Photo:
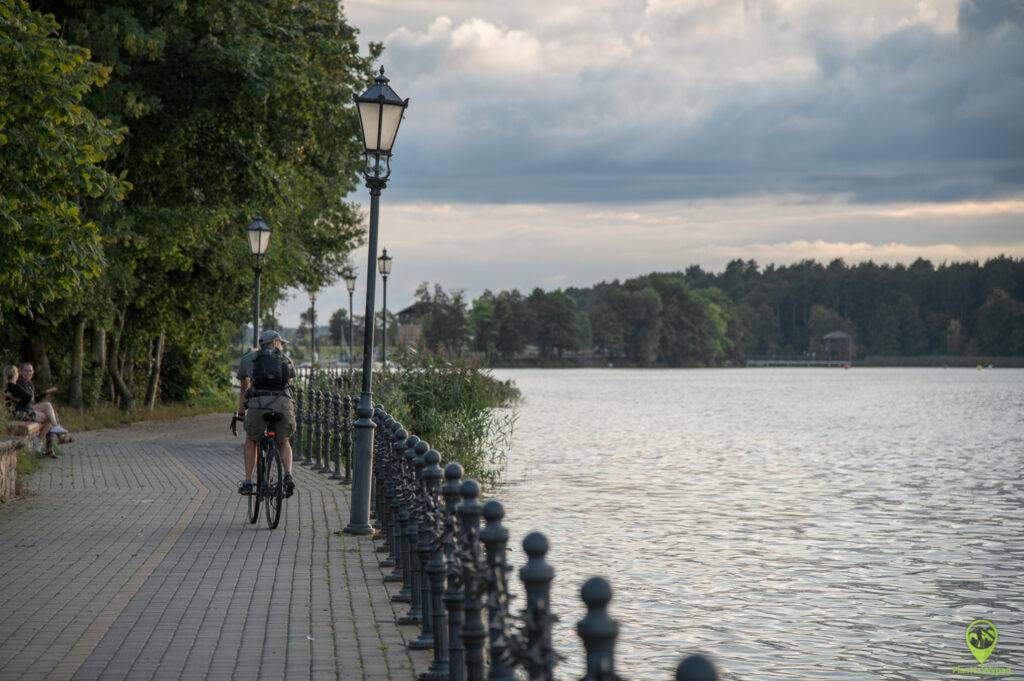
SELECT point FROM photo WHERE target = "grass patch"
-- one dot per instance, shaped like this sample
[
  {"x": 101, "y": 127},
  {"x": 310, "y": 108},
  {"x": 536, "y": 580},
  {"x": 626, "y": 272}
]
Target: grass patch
[
  {"x": 28, "y": 463},
  {"x": 110, "y": 416}
]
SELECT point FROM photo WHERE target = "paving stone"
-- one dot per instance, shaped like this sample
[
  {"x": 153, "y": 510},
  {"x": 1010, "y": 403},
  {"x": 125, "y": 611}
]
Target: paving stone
[{"x": 130, "y": 558}]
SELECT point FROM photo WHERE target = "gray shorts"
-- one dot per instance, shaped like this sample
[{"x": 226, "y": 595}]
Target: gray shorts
[{"x": 256, "y": 407}]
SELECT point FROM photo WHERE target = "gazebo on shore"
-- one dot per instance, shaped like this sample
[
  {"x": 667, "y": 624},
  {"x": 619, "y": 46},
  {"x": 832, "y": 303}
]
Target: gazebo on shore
[{"x": 838, "y": 346}]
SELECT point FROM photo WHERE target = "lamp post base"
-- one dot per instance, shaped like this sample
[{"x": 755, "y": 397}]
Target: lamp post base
[{"x": 358, "y": 529}]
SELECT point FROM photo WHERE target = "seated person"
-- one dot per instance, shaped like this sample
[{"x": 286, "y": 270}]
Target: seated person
[
  {"x": 25, "y": 381},
  {"x": 19, "y": 401}
]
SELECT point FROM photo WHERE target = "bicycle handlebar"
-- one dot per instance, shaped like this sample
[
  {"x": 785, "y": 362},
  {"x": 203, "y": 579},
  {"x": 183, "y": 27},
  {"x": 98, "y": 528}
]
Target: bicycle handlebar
[{"x": 235, "y": 418}]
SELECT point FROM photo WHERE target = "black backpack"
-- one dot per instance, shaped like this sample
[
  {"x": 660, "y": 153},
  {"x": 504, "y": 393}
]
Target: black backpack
[{"x": 270, "y": 370}]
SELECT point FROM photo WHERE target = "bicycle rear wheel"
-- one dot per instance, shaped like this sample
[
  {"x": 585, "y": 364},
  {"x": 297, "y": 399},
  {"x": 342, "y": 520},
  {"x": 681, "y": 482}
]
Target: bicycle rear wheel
[
  {"x": 257, "y": 490},
  {"x": 274, "y": 494}
]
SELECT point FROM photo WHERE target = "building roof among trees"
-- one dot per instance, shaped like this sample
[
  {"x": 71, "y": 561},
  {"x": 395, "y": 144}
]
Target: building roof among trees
[
  {"x": 417, "y": 309},
  {"x": 837, "y": 335}
]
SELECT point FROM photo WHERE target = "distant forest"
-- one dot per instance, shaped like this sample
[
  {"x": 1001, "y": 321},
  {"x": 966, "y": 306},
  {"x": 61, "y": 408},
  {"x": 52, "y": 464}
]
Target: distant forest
[{"x": 701, "y": 318}]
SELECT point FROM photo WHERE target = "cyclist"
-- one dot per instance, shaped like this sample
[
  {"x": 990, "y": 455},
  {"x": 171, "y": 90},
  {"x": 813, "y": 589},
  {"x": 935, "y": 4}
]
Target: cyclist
[{"x": 266, "y": 375}]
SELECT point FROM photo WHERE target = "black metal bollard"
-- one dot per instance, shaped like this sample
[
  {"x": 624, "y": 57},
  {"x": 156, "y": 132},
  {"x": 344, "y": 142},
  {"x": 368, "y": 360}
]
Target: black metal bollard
[
  {"x": 598, "y": 631},
  {"x": 424, "y": 529},
  {"x": 299, "y": 415},
  {"x": 406, "y": 487},
  {"x": 346, "y": 439},
  {"x": 386, "y": 469},
  {"x": 473, "y": 632},
  {"x": 536, "y": 576},
  {"x": 435, "y": 570},
  {"x": 308, "y": 429},
  {"x": 326, "y": 430},
  {"x": 453, "y": 596},
  {"x": 336, "y": 426},
  {"x": 414, "y": 463},
  {"x": 314, "y": 426},
  {"x": 380, "y": 478},
  {"x": 494, "y": 537},
  {"x": 696, "y": 668},
  {"x": 394, "y": 558}
]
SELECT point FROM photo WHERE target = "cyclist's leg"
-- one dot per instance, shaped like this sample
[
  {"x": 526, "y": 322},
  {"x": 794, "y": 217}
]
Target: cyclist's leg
[
  {"x": 250, "y": 458},
  {"x": 254, "y": 428},
  {"x": 285, "y": 450}
]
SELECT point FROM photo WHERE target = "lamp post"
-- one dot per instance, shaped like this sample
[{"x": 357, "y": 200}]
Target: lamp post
[
  {"x": 380, "y": 113},
  {"x": 384, "y": 266},
  {"x": 312, "y": 325},
  {"x": 258, "y": 232},
  {"x": 350, "y": 284}
]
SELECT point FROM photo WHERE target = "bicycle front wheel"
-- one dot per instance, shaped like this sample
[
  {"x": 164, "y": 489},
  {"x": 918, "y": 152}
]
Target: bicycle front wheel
[{"x": 274, "y": 494}]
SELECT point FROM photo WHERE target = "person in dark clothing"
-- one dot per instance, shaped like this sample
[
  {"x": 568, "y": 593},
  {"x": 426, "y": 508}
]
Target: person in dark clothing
[
  {"x": 25, "y": 375},
  {"x": 255, "y": 399},
  {"x": 19, "y": 401}
]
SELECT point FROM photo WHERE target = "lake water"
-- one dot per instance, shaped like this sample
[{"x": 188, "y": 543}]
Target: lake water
[{"x": 792, "y": 523}]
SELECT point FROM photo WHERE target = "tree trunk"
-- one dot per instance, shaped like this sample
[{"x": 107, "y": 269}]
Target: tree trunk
[
  {"x": 40, "y": 360},
  {"x": 116, "y": 378},
  {"x": 77, "y": 356},
  {"x": 99, "y": 347},
  {"x": 154, "y": 373}
]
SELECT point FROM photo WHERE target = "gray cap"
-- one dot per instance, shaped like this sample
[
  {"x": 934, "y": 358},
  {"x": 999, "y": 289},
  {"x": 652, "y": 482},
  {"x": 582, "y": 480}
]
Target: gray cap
[{"x": 269, "y": 336}]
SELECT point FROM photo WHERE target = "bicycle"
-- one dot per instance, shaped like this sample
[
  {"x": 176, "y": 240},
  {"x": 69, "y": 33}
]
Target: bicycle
[{"x": 268, "y": 487}]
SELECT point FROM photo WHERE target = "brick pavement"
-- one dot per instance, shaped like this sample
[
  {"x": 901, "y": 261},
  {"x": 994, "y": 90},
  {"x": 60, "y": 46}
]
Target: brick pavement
[{"x": 131, "y": 559}]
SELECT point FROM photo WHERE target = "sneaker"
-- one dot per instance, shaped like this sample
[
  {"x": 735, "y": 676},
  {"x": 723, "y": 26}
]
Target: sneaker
[
  {"x": 60, "y": 430},
  {"x": 245, "y": 488},
  {"x": 289, "y": 484}
]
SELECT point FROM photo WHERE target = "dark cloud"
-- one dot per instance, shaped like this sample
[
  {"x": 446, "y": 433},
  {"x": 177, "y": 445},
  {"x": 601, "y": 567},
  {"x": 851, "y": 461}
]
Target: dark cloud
[{"x": 910, "y": 114}]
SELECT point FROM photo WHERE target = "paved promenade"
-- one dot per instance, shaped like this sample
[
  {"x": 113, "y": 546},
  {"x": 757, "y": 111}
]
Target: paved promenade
[{"x": 131, "y": 559}]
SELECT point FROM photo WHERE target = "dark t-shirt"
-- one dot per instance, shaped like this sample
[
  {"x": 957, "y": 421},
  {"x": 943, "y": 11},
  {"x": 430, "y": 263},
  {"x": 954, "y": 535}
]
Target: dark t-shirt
[
  {"x": 18, "y": 399},
  {"x": 27, "y": 385}
]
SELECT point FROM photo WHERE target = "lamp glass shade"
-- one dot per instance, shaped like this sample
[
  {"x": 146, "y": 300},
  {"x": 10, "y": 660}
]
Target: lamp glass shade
[
  {"x": 350, "y": 282},
  {"x": 384, "y": 263},
  {"x": 259, "y": 237},
  {"x": 380, "y": 113}
]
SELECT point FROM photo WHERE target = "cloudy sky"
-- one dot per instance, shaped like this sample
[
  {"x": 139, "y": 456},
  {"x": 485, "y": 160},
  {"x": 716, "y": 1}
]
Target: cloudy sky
[{"x": 563, "y": 143}]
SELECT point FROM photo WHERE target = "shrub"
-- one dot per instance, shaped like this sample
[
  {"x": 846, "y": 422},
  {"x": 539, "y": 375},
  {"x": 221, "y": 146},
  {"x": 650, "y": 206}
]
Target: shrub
[{"x": 460, "y": 409}]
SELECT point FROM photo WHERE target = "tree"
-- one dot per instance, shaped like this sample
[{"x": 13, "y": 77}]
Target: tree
[
  {"x": 227, "y": 110},
  {"x": 1001, "y": 325},
  {"x": 338, "y": 326},
  {"x": 483, "y": 325},
  {"x": 515, "y": 327},
  {"x": 824, "y": 321},
  {"x": 445, "y": 324},
  {"x": 553, "y": 317},
  {"x": 53, "y": 151}
]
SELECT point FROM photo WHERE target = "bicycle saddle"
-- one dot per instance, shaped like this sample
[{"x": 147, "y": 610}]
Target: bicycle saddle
[{"x": 273, "y": 416}]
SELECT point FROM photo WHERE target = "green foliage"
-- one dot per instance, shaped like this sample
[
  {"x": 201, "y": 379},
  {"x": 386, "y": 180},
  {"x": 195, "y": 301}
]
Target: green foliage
[
  {"x": 52, "y": 154},
  {"x": 1001, "y": 322},
  {"x": 109, "y": 416},
  {"x": 28, "y": 463},
  {"x": 457, "y": 407},
  {"x": 214, "y": 113},
  {"x": 445, "y": 326}
]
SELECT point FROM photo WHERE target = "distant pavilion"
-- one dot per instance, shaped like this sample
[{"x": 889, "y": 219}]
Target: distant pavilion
[{"x": 838, "y": 346}]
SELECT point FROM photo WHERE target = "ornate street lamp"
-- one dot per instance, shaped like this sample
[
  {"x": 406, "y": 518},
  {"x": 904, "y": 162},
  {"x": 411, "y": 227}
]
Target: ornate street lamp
[
  {"x": 384, "y": 266},
  {"x": 350, "y": 284},
  {"x": 380, "y": 113},
  {"x": 258, "y": 232}
]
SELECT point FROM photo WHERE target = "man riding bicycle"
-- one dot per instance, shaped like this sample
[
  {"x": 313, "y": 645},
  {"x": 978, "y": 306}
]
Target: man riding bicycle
[{"x": 266, "y": 375}]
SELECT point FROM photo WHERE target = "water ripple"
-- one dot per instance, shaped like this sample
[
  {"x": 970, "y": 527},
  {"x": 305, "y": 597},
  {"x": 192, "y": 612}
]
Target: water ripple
[{"x": 797, "y": 524}]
